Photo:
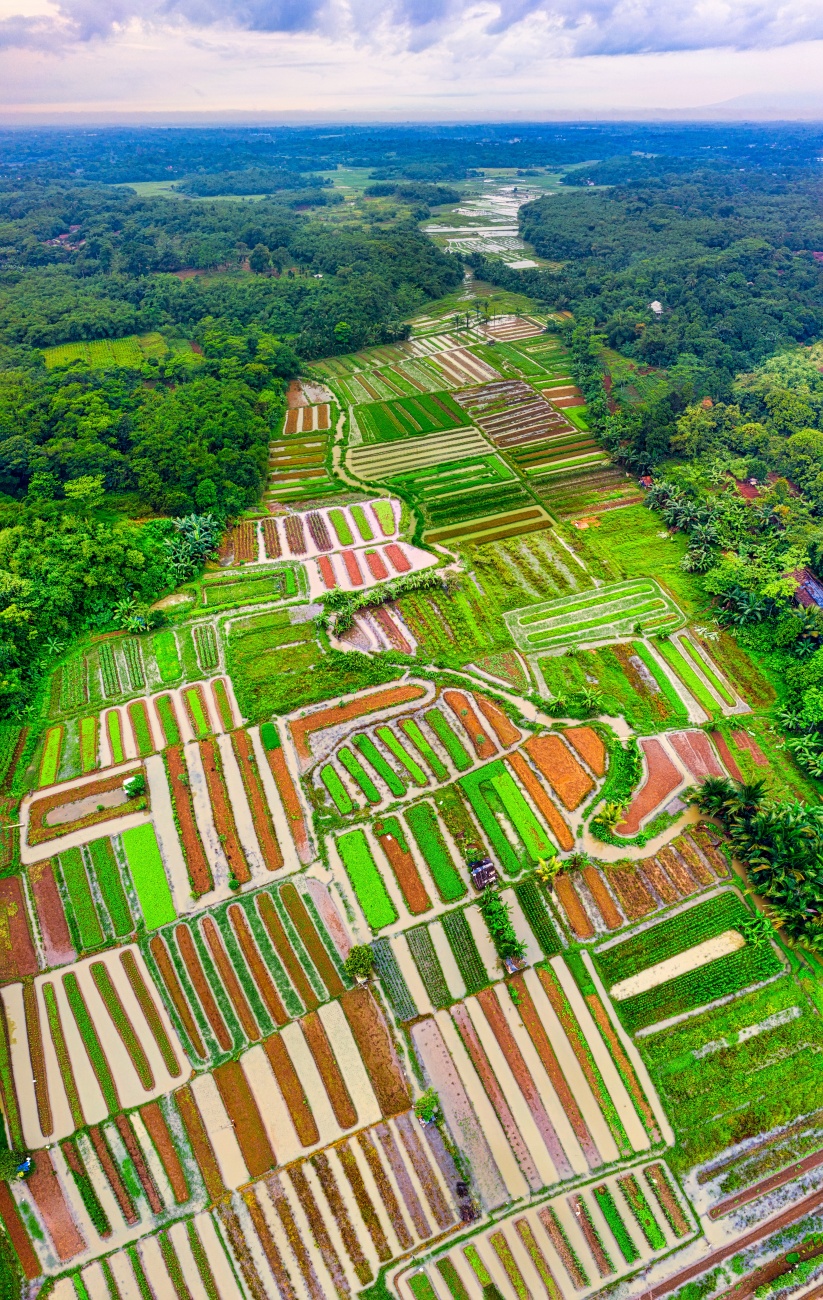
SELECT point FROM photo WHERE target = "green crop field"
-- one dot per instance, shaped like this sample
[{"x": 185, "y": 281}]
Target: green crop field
[
  {"x": 424, "y": 413},
  {"x": 455, "y": 491},
  {"x": 609, "y": 612},
  {"x": 627, "y": 678},
  {"x": 100, "y": 354}
]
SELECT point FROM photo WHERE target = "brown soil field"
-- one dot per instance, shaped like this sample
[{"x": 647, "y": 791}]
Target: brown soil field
[
  {"x": 158, "y": 1130},
  {"x": 384, "y": 1187},
  {"x": 228, "y": 975},
  {"x": 694, "y": 749},
  {"x": 371, "y": 1033},
  {"x": 552, "y": 815},
  {"x": 290, "y": 1086},
  {"x": 575, "y": 911},
  {"x": 504, "y": 729},
  {"x": 259, "y": 971},
  {"x": 138, "y": 1160},
  {"x": 326, "y": 1062},
  {"x": 44, "y": 1186},
  {"x": 222, "y": 811},
  {"x": 602, "y": 897},
  {"x": 17, "y": 956},
  {"x": 403, "y": 1180},
  {"x": 653, "y": 872},
  {"x": 200, "y": 1144},
  {"x": 54, "y": 930},
  {"x": 337, "y": 1205},
  {"x": 677, "y": 871},
  {"x": 405, "y": 873},
  {"x": 561, "y": 769},
  {"x": 284, "y": 950},
  {"x": 160, "y": 953},
  {"x": 84, "y": 795},
  {"x": 461, "y": 707},
  {"x": 662, "y": 780},
  {"x": 631, "y": 890},
  {"x": 589, "y": 746},
  {"x": 241, "y": 1109},
  {"x": 302, "y": 728},
  {"x": 196, "y": 861},
  {"x": 307, "y": 930},
  {"x": 319, "y": 1231},
  {"x": 256, "y": 795},
  {"x": 201, "y": 986}
]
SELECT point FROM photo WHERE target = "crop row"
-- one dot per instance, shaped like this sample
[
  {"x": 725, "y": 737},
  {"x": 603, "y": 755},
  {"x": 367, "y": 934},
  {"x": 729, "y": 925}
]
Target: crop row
[
  {"x": 687, "y": 928},
  {"x": 719, "y": 979}
]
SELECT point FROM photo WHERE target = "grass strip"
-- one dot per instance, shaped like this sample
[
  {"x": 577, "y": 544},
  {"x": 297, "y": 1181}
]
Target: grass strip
[
  {"x": 423, "y": 824},
  {"x": 50, "y": 760},
  {"x": 390, "y": 740},
  {"x": 197, "y": 712},
  {"x": 461, "y": 941},
  {"x": 148, "y": 875},
  {"x": 140, "y": 726},
  {"x": 111, "y": 1000},
  {"x": 410, "y": 728},
  {"x": 366, "y": 880},
  {"x": 110, "y": 885},
  {"x": 684, "y": 644},
  {"x": 453, "y": 746},
  {"x": 81, "y": 911},
  {"x": 372, "y": 755},
  {"x": 91, "y": 1042},
  {"x": 147, "y": 1006},
  {"x": 356, "y": 770},
  {"x": 688, "y": 677},
  {"x": 673, "y": 699},
  {"x": 335, "y": 787}
]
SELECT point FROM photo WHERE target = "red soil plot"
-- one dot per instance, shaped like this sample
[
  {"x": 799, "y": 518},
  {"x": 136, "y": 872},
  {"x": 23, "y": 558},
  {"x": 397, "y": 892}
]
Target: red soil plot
[
  {"x": 576, "y": 913},
  {"x": 389, "y": 626},
  {"x": 291, "y": 803},
  {"x": 54, "y": 930},
  {"x": 261, "y": 816},
  {"x": 244, "y": 537},
  {"x": 631, "y": 890},
  {"x": 397, "y": 558},
  {"x": 352, "y": 568},
  {"x": 17, "y": 955},
  {"x": 291, "y": 421},
  {"x": 158, "y": 1130},
  {"x": 696, "y": 753},
  {"x": 377, "y": 568},
  {"x": 288, "y": 1081},
  {"x": 197, "y": 863},
  {"x": 602, "y": 897},
  {"x": 589, "y": 746},
  {"x": 295, "y": 537},
  {"x": 560, "y": 768},
  {"x": 222, "y": 811},
  {"x": 552, "y": 816},
  {"x": 326, "y": 1062},
  {"x": 460, "y": 706},
  {"x": 662, "y": 780},
  {"x": 405, "y": 872},
  {"x": 744, "y": 741},
  {"x": 323, "y": 416},
  {"x": 375, "y": 702},
  {"x": 505, "y": 730},
  {"x": 10, "y": 1217},
  {"x": 729, "y": 762},
  {"x": 327, "y": 573},
  {"x": 44, "y": 1186},
  {"x": 39, "y": 830},
  {"x": 228, "y": 975}
]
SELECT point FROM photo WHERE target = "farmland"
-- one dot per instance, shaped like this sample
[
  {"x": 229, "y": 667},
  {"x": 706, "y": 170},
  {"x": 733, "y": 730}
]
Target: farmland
[
  {"x": 132, "y": 352},
  {"x": 233, "y": 988}
]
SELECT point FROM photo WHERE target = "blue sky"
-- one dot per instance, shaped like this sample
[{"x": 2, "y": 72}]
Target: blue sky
[{"x": 407, "y": 59}]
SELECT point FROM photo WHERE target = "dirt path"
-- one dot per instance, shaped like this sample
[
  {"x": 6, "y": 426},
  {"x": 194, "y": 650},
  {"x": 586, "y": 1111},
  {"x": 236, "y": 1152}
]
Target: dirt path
[{"x": 791, "y": 1215}]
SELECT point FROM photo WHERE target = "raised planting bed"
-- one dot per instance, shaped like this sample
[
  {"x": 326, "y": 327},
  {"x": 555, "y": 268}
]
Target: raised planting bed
[
  {"x": 197, "y": 864},
  {"x": 454, "y": 747},
  {"x": 166, "y": 712},
  {"x": 504, "y": 729},
  {"x": 140, "y": 726},
  {"x": 148, "y": 875},
  {"x": 67, "y": 811},
  {"x": 492, "y": 793},
  {"x": 51, "y": 918},
  {"x": 661, "y": 782},
  {"x": 50, "y": 758},
  {"x": 374, "y": 1041},
  {"x": 258, "y": 804},
  {"x": 166, "y": 656},
  {"x": 393, "y": 842},
  {"x": 287, "y": 791},
  {"x": 222, "y": 811},
  {"x": 462, "y": 943},
  {"x": 714, "y": 680},
  {"x": 360, "y": 518},
  {"x": 374, "y": 702},
  {"x": 340, "y": 796},
  {"x": 221, "y": 699},
  {"x": 376, "y": 760},
  {"x": 384, "y": 514},
  {"x": 359, "y": 775},
  {"x": 533, "y": 905},
  {"x": 422, "y": 822},
  {"x": 340, "y": 524},
  {"x": 682, "y": 669},
  {"x": 549, "y": 812},
  {"x": 555, "y": 761},
  {"x": 378, "y": 909},
  {"x": 463, "y": 710},
  {"x": 396, "y": 747},
  {"x": 88, "y": 744},
  {"x": 205, "y": 644},
  {"x": 81, "y": 911},
  {"x": 610, "y": 1212},
  {"x": 110, "y": 886},
  {"x": 198, "y": 713},
  {"x": 394, "y": 985},
  {"x": 428, "y": 966}
]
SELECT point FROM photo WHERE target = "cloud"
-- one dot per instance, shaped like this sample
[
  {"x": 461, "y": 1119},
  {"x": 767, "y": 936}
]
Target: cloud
[{"x": 578, "y": 28}]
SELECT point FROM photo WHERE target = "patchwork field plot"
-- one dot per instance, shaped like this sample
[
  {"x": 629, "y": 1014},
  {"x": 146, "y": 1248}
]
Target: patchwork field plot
[
  {"x": 132, "y": 351},
  {"x": 455, "y": 492},
  {"x": 299, "y": 461},
  {"x": 388, "y": 421},
  {"x": 568, "y": 1246},
  {"x": 512, "y": 327},
  {"x": 583, "y": 491},
  {"x": 676, "y": 966},
  {"x": 375, "y": 463},
  {"x": 627, "y": 675},
  {"x": 612, "y": 611}
]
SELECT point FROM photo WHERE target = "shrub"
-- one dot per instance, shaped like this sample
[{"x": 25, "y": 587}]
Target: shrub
[
  {"x": 496, "y": 914},
  {"x": 360, "y": 962}
]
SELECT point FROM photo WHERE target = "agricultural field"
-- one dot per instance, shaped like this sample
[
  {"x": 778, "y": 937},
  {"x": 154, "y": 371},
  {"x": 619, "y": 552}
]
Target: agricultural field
[
  {"x": 357, "y": 936},
  {"x": 131, "y": 352}
]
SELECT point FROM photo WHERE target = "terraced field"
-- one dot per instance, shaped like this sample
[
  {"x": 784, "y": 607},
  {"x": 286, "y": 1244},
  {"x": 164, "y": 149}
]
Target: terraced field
[
  {"x": 426, "y": 413},
  {"x": 610, "y": 612}
]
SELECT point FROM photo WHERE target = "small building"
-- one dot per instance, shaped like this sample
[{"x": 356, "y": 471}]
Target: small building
[
  {"x": 645, "y": 480},
  {"x": 809, "y": 588},
  {"x": 656, "y": 308},
  {"x": 483, "y": 873}
]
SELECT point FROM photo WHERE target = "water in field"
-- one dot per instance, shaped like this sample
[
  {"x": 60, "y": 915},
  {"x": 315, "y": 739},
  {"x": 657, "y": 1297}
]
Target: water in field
[{"x": 487, "y": 223}]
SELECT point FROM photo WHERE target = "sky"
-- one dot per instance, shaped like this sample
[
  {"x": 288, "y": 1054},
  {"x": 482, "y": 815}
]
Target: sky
[{"x": 410, "y": 59}]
